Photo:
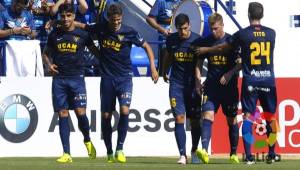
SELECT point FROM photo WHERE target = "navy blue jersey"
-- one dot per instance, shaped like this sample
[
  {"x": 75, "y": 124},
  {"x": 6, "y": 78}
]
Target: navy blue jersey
[
  {"x": 219, "y": 63},
  {"x": 257, "y": 45},
  {"x": 183, "y": 65},
  {"x": 67, "y": 50},
  {"x": 115, "y": 49}
]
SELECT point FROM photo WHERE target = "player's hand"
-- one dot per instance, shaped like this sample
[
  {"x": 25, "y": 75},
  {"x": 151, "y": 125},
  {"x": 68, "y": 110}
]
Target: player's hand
[
  {"x": 154, "y": 75},
  {"x": 199, "y": 50},
  {"x": 53, "y": 69},
  {"x": 166, "y": 78},
  {"x": 225, "y": 79}
]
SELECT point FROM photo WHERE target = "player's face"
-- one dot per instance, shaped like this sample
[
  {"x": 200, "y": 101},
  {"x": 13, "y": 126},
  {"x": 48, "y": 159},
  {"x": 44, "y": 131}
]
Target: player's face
[
  {"x": 67, "y": 19},
  {"x": 114, "y": 22},
  {"x": 184, "y": 31},
  {"x": 217, "y": 30}
]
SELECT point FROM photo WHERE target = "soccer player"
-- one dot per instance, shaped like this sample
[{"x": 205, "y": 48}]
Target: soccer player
[
  {"x": 220, "y": 88},
  {"x": 257, "y": 44},
  {"x": 115, "y": 40},
  {"x": 183, "y": 98},
  {"x": 66, "y": 45}
]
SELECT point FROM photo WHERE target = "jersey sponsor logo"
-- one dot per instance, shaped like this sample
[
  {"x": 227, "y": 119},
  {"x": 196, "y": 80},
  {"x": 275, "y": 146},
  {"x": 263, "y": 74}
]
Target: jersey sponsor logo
[
  {"x": 183, "y": 56},
  {"x": 218, "y": 60},
  {"x": 261, "y": 73},
  {"x": 116, "y": 46},
  {"x": 67, "y": 47},
  {"x": 18, "y": 118}
]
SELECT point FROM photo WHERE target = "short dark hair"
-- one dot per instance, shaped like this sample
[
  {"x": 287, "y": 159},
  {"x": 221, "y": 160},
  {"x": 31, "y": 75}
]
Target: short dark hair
[
  {"x": 66, "y": 8},
  {"x": 114, "y": 9},
  {"x": 181, "y": 19},
  {"x": 255, "y": 10}
]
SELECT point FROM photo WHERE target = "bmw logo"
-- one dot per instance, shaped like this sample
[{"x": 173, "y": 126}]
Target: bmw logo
[{"x": 18, "y": 118}]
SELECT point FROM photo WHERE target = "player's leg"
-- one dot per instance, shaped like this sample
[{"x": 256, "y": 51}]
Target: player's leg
[
  {"x": 84, "y": 127},
  {"x": 60, "y": 104},
  {"x": 209, "y": 107},
  {"x": 268, "y": 100},
  {"x": 233, "y": 134},
  {"x": 193, "y": 113},
  {"x": 78, "y": 92},
  {"x": 108, "y": 101},
  {"x": 176, "y": 95},
  {"x": 229, "y": 108},
  {"x": 249, "y": 98},
  {"x": 124, "y": 93}
]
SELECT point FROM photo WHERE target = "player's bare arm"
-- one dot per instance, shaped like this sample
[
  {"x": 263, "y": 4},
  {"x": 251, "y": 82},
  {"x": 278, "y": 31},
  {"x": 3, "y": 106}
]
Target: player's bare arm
[
  {"x": 149, "y": 51},
  {"x": 227, "y": 76},
  {"x": 167, "y": 60},
  {"x": 214, "y": 49},
  {"x": 52, "y": 68},
  {"x": 198, "y": 69}
]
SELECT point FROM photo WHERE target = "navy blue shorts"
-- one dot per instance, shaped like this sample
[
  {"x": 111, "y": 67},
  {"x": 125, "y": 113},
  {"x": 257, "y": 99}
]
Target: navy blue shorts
[
  {"x": 184, "y": 100},
  {"x": 267, "y": 97},
  {"x": 68, "y": 93},
  {"x": 112, "y": 88},
  {"x": 227, "y": 97}
]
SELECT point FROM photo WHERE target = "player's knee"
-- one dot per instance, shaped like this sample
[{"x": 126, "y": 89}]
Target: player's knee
[
  {"x": 246, "y": 115},
  {"x": 63, "y": 113},
  {"x": 106, "y": 115},
  {"x": 195, "y": 122},
  {"x": 124, "y": 110},
  {"x": 80, "y": 111},
  {"x": 180, "y": 119},
  {"x": 209, "y": 115},
  {"x": 231, "y": 121}
]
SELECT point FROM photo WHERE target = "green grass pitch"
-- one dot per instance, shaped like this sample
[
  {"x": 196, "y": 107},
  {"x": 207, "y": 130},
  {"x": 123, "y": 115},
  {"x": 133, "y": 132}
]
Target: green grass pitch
[{"x": 138, "y": 163}]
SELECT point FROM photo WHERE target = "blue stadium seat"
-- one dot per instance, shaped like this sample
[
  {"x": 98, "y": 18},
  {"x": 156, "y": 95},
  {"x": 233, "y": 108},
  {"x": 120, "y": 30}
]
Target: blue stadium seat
[{"x": 140, "y": 62}]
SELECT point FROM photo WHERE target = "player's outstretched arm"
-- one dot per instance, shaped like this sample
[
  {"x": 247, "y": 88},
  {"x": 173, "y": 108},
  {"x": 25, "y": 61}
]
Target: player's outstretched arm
[
  {"x": 213, "y": 49},
  {"x": 150, "y": 54},
  {"x": 80, "y": 25}
]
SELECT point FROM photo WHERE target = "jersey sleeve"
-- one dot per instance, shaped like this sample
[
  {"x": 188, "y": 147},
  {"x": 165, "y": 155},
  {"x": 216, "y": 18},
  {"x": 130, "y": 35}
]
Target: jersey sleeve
[
  {"x": 234, "y": 40},
  {"x": 50, "y": 41},
  {"x": 137, "y": 39},
  {"x": 155, "y": 9},
  {"x": 168, "y": 44},
  {"x": 92, "y": 28}
]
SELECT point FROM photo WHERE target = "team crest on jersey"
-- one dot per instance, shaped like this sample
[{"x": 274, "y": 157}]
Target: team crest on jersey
[
  {"x": 76, "y": 38},
  {"x": 120, "y": 37}
]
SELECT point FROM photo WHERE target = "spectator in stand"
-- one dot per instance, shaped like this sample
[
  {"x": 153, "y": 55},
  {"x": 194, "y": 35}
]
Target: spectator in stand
[
  {"x": 41, "y": 13},
  {"x": 16, "y": 22},
  {"x": 160, "y": 19}
]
